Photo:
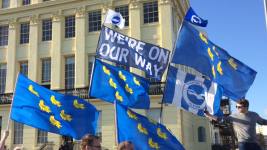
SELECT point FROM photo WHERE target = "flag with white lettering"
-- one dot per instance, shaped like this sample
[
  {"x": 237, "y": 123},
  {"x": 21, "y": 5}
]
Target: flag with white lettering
[{"x": 124, "y": 50}]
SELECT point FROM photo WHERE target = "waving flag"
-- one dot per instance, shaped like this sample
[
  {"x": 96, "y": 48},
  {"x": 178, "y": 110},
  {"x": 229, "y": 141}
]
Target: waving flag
[
  {"x": 115, "y": 18},
  {"x": 47, "y": 110},
  {"x": 194, "y": 50},
  {"x": 192, "y": 93},
  {"x": 121, "y": 49},
  {"x": 193, "y": 18},
  {"x": 110, "y": 83},
  {"x": 144, "y": 132}
]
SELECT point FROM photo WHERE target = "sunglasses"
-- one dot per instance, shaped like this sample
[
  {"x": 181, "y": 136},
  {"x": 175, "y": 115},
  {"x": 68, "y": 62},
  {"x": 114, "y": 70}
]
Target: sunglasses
[{"x": 240, "y": 106}]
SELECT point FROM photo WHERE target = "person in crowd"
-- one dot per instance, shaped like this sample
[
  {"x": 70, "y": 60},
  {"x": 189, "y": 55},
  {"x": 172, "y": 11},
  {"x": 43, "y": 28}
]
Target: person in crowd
[
  {"x": 3, "y": 140},
  {"x": 126, "y": 145},
  {"x": 90, "y": 142},
  {"x": 245, "y": 125}
]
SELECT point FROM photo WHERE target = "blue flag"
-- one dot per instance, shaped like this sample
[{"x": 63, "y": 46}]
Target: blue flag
[
  {"x": 192, "y": 93},
  {"x": 193, "y": 18},
  {"x": 124, "y": 50},
  {"x": 143, "y": 132},
  {"x": 110, "y": 83},
  {"x": 47, "y": 110},
  {"x": 194, "y": 50}
]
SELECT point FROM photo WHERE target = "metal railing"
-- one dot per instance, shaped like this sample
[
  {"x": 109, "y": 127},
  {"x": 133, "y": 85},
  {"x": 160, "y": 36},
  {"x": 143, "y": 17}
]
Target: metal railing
[{"x": 156, "y": 88}]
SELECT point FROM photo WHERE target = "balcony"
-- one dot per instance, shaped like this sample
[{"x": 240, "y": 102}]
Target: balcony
[{"x": 155, "y": 88}]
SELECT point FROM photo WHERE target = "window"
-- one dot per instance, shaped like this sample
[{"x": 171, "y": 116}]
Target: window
[
  {"x": 127, "y": 68},
  {"x": 2, "y": 79},
  {"x": 3, "y": 35},
  {"x": 70, "y": 27},
  {"x": 91, "y": 60},
  {"x": 18, "y": 133},
  {"x": 46, "y": 71},
  {"x": 216, "y": 138},
  {"x": 24, "y": 33},
  {"x": 99, "y": 126},
  {"x": 201, "y": 134},
  {"x": 26, "y": 2},
  {"x": 24, "y": 69},
  {"x": 94, "y": 21},
  {"x": 150, "y": 79},
  {"x": 69, "y": 73},
  {"x": 47, "y": 30},
  {"x": 46, "y": 0},
  {"x": 42, "y": 136},
  {"x": 151, "y": 12},
  {"x": 154, "y": 114},
  {"x": 0, "y": 127},
  {"x": 5, "y": 3},
  {"x": 124, "y": 11}
]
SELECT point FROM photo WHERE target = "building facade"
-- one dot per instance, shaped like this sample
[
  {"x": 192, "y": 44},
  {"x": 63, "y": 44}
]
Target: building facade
[{"x": 53, "y": 43}]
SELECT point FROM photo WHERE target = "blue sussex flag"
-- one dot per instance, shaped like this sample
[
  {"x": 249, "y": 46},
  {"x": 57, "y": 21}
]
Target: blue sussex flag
[
  {"x": 143, "y": 132},
  {"x": 47, "y": 110},
  {"x": 192, "y": 93},
  {"x": 196, "y": 51},
  {"x": 110, "y": 83},
  {"x": 193, "y": 18}
]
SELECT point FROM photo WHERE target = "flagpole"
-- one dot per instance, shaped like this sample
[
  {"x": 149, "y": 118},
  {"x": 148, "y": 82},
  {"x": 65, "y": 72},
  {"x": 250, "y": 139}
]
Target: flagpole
[
  {"x": 92, "y": 73},
  {"x": 8, "y": 122},
  {"x": 161, "y": 108},
  {"x": 116, "y": 124},
  {"x": 265, "y": 8}
]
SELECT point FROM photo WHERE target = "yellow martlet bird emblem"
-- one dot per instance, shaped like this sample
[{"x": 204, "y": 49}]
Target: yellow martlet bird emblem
[
  {"x": 215, "y": 51},
  {"x": 77, "y": 105},
  {"x": 106, "y": 70},
  {"x": 210, "y": 54},
  {"x": 203, "y": 38},
  {"x": 153, "y": 144},
  {"x": 65, "y": 116},
  {"x": 213, "y": 72},
  {"x": 141, "y": 129},
  {"x": 152, "y": 121},
  {"x": 43, "y": 107},
  {"x": 231, "y": 62},
  {"x": 219, "y": 69},
  {"x": 31, "y": 90},
  {"x": 118, "y": 97},
  {"x": 161, "y": 134},
  {"x": 54, "y": 101},
  {"x": 135, "y": 81},
  {"x": 112, "y": 84},
  {"x": 54, "y": 122},
  {"x": 129, "y": 90},
  {"x": 122, "y": 76},
  {"x": 131, "y": 115}
]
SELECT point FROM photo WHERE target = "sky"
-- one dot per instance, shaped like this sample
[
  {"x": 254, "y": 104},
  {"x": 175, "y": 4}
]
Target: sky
[{"x": 239, "y": 27}]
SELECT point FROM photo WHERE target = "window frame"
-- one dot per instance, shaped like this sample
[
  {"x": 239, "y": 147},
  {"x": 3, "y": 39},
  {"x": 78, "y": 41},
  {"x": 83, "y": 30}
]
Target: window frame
[
  {"x": 42, "y": 38},
  {"x": 18, "y": 131},
  {"x": 4, "y": 4},
  {"x": 69, "y": 27},
  {"x": 3, "y": 71},
  {"x": 44, "y": 67},
  {"x": 2, "y": 35},
  {"x": 25, "y": 2},
  {"x": 97, "y": 21},
  {"x": 66, "y": 79},
  {"x": 90, "y": 69},
  {"x": 201, "y": 132},
  {"x": 20, "y": 40},
  {"x": 21, "y": 70},
  {"x": 43, "y": 137},
  {"x": 143, "y": 10}
]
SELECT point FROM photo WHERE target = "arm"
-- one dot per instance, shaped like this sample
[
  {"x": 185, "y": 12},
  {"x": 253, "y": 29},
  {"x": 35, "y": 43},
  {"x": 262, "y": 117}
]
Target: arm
[
  {"x": 224, "y": 120},
  {"x": 3, "y": 140},
  {"x": 207, "y": 113},
  {"x": 261, "y": 121}
]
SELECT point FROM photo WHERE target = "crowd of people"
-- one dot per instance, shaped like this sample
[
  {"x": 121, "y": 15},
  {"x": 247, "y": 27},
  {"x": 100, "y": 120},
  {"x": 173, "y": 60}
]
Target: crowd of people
[{"x": 244, "y": 122}]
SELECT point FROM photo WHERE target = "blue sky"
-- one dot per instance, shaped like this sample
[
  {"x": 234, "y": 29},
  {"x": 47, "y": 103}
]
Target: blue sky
[{"x": 239, "y": 26}]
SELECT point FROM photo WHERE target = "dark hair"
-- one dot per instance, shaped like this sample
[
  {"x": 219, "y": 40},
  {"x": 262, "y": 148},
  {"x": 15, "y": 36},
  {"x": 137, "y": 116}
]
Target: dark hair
[
  {"x": 243, "y": 102},
  {"x": 122, "y": 145},
  {"x": 87, "y": 140}
]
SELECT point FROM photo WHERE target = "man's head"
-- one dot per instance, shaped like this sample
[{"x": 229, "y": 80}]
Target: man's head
[
  {"x": 242, "y": 105},
  {"x": 126, "y": 145},
  {"x": 90, "y": 142}
]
